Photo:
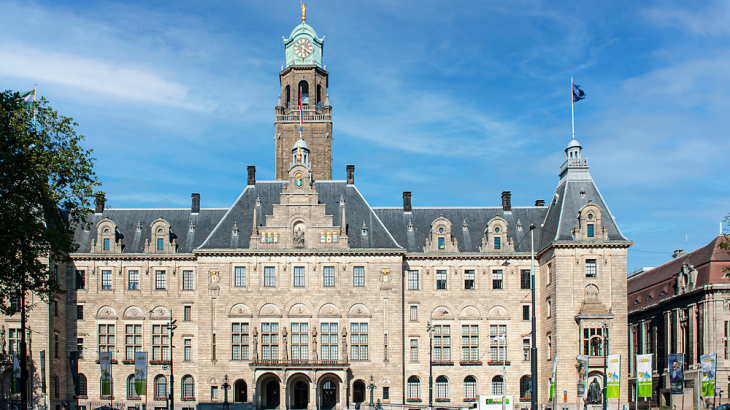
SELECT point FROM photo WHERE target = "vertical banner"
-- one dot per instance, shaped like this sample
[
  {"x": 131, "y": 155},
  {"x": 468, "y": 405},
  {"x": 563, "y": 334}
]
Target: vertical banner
[
  {"x": 552, "y": 378},
  {"x": 676, "y": 373},
  {"x": 43, "y": 371},
  {"x": 140, "y": 373},
  {"x": 105, "y": 360},
  {"x": 708, "y": 374},
  {"x": 16, "y": 375},
  {"x": 644, "y": 371},
  {"x": 613, "y": 379},
  {"x": 582, "y": 376},
  {"x": 73, "y": 362}
]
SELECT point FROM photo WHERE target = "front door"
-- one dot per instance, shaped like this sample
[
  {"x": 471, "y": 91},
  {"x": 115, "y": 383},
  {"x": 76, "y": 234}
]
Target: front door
[
  {"x": 329, "y": 395},
  {"x": 272, "y": 394},
  {"x": 301, "y": 393}
]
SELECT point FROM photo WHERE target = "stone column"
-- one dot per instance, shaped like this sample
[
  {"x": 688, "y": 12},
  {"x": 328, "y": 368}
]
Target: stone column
[
  {"x": 341, "y": 394},
  {"x": 284, "y": 397},
  {"x": 313, "y": 398}
]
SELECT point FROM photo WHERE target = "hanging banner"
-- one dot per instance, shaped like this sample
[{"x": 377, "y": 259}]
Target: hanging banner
[
  {"x": 582, "y": 376},
  {"x": 676, "y": 373},
  {"x": 16, "y": 375},
  {"x": 708, "y": 374},
  {"x": 73, "y": 361},
  {"x": 43, "y": 371},
  {"x": 105, "y": 360},
  {"x": 140, "y": 373},
  {"x": 614, "y": 376},
  {"x": 552, "y": 378},
  {"x": 644, "y": 371}
]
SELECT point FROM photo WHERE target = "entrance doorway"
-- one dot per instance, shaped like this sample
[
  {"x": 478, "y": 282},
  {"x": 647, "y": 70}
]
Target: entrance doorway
[
  {"x": 329, "y": 395},
  {"x": 301, "y": 395},
  {"x": 358, "y": 392},
  {"x": 272, "y": 394},
  {"x": 239, "y": 391}
]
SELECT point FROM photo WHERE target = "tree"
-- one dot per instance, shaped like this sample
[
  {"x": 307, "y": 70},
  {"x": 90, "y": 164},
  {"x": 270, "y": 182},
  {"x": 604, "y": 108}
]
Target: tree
[
  {"x": 725, "y": 241},
  {"x": 46, "y": 186}
]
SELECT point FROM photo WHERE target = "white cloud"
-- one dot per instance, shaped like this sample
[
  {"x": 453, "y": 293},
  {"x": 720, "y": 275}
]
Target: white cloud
[{"x": 711, "y": 20}]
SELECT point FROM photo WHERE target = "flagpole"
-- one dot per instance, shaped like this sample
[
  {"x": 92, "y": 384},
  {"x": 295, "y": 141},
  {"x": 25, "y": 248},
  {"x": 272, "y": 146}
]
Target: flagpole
[
  {"x": 34, "y": 92},
  {"x": 572, "y": 105}
]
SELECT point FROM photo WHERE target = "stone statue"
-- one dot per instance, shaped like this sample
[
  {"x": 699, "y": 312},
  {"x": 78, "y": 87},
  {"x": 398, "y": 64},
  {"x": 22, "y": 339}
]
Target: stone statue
[
  {"x": 255, "y": 344},
  {"x": 299, "y": 238},
  {"x": 304, "y": 10},
  {"x": 314, "y": 344},
  {"x": 594, "y": 393},
  {"x": 344, "y": 344},
  {"x": 285, "y": 355}
]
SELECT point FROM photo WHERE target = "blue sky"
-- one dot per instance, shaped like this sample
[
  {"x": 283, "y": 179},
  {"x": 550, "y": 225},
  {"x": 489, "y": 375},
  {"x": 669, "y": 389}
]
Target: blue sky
[{"x": 455, "y": 101}]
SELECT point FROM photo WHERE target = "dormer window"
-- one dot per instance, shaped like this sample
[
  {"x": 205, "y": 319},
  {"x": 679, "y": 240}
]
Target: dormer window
[
  {"x": 163, "y": 239},
  {"x": 160, "y": 244},
  {"x": 589, "y": 220},
  {"x": 636, "y": 302},
  {"x": 497, "y": 241},
  {"x": 106, "y": 243},
  {"x": 108, "y": 238},
  {"x": 441, "y": 241},
  {"x": 591, "y": 231}
]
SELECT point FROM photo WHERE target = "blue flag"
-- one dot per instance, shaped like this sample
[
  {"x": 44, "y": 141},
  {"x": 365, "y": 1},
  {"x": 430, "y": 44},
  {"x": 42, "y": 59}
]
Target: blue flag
[{"x": 578, "y": 94}]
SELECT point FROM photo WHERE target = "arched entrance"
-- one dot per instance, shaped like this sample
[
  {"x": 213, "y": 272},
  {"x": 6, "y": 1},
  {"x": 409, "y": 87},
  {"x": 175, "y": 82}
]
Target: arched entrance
[
  {"x": 329, "y": 395},
  {"x": 301, "y": 395},
  {"x": 271, "y": 394},
  {"x": 358, "y": 391},
  {"x": 240, "y": 393}
]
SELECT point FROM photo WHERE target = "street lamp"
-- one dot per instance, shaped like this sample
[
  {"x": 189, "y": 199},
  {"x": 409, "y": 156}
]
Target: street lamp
[
  {"x": 503, "y": 337},
  {"x": 226, "y": 386},
  {"x": 171, "y": 326},
  {"x": 605, "y": 364},
  {"x": 533, "y": 349},
  {"x": 430, "y": 365},
  {"x": 372, "y": 389}
]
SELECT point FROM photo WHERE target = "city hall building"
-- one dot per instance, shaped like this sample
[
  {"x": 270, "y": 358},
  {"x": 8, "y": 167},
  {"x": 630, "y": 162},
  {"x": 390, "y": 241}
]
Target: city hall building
[{"x": 306, "y": 297}]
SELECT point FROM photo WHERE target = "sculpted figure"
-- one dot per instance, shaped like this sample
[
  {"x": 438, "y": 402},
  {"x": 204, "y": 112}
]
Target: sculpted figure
[
  {"x": 255, "y": 344},
  {"x": 285, "y": 355},
  {"x": 594, "y": 392},
  {"x": 344, "y": 344}
]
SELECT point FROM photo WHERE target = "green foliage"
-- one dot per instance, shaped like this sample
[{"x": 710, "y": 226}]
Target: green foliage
[
  {"x": 46, "y": 186},
  {"x": 725, "y": 242}
]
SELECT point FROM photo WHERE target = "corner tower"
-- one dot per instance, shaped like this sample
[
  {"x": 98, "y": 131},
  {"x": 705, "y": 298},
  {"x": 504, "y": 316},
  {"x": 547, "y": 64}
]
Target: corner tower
[{"x": 304, "y": 79}]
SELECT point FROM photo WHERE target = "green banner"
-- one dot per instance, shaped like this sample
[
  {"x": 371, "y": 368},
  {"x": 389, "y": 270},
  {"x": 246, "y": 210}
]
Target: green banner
[
  {"x": 105, "y": 360},
  {"x": 552, "y": 378},
  {"x": 708, "y": 374},
  {"x": 644, "y": 371},
  {"x": 140, "y": 373},
  {"x": 614, "y": 376}
]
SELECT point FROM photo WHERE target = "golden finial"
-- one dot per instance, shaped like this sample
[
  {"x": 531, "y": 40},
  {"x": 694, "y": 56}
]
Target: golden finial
[{"x": 304, "y": 11}]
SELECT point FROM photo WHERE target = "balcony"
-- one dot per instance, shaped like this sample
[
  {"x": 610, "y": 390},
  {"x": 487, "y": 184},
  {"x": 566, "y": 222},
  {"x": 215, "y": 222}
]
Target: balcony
[
  {"x": 311, "y": 114},
  {"x": 574, "y": 163},
  {"x": 284, "y": 364}
]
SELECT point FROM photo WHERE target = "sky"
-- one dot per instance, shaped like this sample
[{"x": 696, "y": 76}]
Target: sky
[{"x": 455, "y": 101}]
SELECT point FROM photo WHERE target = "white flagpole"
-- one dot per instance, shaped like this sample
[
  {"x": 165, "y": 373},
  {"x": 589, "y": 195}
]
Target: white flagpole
[{"x": 572, "y": 105}]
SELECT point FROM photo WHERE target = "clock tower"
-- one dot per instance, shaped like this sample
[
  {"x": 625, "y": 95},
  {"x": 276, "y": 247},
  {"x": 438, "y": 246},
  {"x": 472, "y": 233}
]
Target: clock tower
[{"x": 304, "y": 81}]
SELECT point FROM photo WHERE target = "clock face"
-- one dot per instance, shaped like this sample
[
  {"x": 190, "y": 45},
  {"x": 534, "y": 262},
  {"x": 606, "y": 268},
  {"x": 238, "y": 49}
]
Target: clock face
[{"x": 303, "y": 48}]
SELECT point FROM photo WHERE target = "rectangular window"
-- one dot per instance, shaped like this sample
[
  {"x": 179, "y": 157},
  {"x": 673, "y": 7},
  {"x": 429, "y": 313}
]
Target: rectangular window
[
  {"x": 106, "y": 279},
  {"x": 358, "y": 276},
  {"x": 160, "y": 244},
  {"x": 133, "y": 279},
  {"x": 526, "y": 312},
  {"x": 414, "y": 350},
  {"x": 593, "y": 341},
  {"x": 414, "y": 313},
  {"x": 187, "y": 280},
  {"x": 440, "y": 279},
  {"x": 591, "y": 231},
  {"x": 160, "y": 279},
  {"x": 80, "y": 279},
  {"x": 132, "y": 340},
  {"x": 497, "y": 243},
  {"x": 55, "y": 350},
  {"x": 80, "y": 347},
  {"x": 359, "y": 341},
  {"x": 591, "y": 268},
  {"x": 441, "y": 243},
  {"x": 300, "y": 341},
  {"x": 412, "y": 280},
  {"x": 525, "y": 279},
  {"x": 269, "y": 276},
  {"x": 328, "y": 273},
  {"x": 14, "y": 339},
  {"x": 549, "y": 307},
  {"x": 55, "y": 308},
  {"x": 80, "y": 312},
  {"x": 214, "y": 392},
  {"x": 442, "y": 343},
  {"x": 239, "y": 341},
  {"x": 497, "y": 279},
  {"x": 239, "y": 273},
  {"x": 299, "y": 276},
  {"x": 386, "y": 393},
  {"x": 215, "y": 349},
  {"x": 550, "y": 273},
  {"x": 526, "y": 350},
  {"x": 498, "y": 347},
  {"x": 469, "y": 343},
  {"x": 550, "y": 346},
  {"x": 468, "y": 279},
  {"x": 106, "y": 244},
  {"x": 270, "y": 341},
  {"x": 160, "y": 342},
  {"x": 188, "y": 350},
  {"x": 328, "y": 345},
  {"x": 106, "y": 339},
  {"x": 725, "y": 340},
  {"x": 187, "y": 313}
]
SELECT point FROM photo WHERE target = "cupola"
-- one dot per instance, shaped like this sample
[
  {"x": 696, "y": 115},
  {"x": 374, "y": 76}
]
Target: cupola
[{"x": 300, "y": 154}]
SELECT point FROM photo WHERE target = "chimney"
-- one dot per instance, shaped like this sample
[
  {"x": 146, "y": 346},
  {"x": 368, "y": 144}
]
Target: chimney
[
  {"x": 196, "y": 203},
  {"x": 540, "y": 202},
  {"x": 350, "y": 175},
  {"x": 677, "y": 253},
  {"x": 251, "y": 175},
  {"x": 506, "y": 201},
  {"x": 100, "y": 201},
  {"x": 407, "y": 201}
]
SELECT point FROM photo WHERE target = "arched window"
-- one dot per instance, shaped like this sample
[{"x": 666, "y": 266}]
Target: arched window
[
  {"x": 304, "y": 92},
  {"x": 239, "y": 391},
  {"x": 287, "y": 92},
  {"x": 56, "y": 387},
  {"x": 525, "y": 387},
  {"x": 358, "y": 392},
  {"x": 470, "y": 387},
  {"x": 319, "y": 96},
  {"x": 497, "y": 385},
  {"x": 596, "y": 346},
  {"x": 83, "y": 391},
  {"x": 160, "y": 386},
  {"x": 442, "y": 387},
  {"x": 188, "y": 387},
  {"x": 414, "y": 387},
  {"x": 131, "y": 391}
]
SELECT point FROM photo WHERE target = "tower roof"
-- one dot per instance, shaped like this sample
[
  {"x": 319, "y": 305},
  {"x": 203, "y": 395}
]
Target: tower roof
[
  {"x": 573, "y": 143},
  {"x": 300, "y": 143},
  {"x": 303, "y": 28}
]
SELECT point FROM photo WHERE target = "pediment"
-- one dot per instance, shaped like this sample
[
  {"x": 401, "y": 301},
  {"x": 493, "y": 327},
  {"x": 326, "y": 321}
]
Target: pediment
[
  {"x": 359, "y": 310},
  {"x": 106, "y": 312},
  {"x": 134, "y": 312},
  {"x": 239, "y": 310},
  {"x": 160, "y": 312},
  {"x": 329, "y": 310},
  {"x": 270, "y": 309},
  {"x": 470, "y": 312},
  {"x": 300, "y": 310},
  {"x": 498, "y": 312},
  {"x": 442, "y": 312}
]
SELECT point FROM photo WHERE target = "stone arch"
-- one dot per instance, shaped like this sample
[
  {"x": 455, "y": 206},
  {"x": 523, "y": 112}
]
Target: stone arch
[
  {"x": 352, "y": 302},
  {"x": 328, "y": 300},
  {"x": 499, "y": 302},
  {"x": 299, "y": 309},
  {"x": 498, "y": 312},
  {"x": 134, "y": 312},
  {"x": 269, "y": 301},
  {"x": 442, "y": 312},
  {"x": 298, "y": 301},
  {"x": 134, "y": 302},
  {"x": 441, "y": 302},
  {"x": 469, "y": 303},
  {"x": 591, "y": 294},
  {"x": 160, "y": 312},
  {"x": 329, "y": 309},
  {"x": 238, "y": 300},
  {"x": 270, "y": 309},
  {"x": 359, "y": 310},
  {"x": 239, "y": 310},
  {"x": 106, "y": 312},
  {"x": 470, "y": 312}
]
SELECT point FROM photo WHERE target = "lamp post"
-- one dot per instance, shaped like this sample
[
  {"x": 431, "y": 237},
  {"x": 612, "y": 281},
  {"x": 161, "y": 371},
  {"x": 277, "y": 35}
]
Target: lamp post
[
  {"x": 430, "y": 365},
  {"x": 533, "y": 349},
  {"x": 605, "y": 365},
  {"x": 171, "y": 326},
  {"x": 372, "y": 389},
  {"x": 226, "y": 386}
]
